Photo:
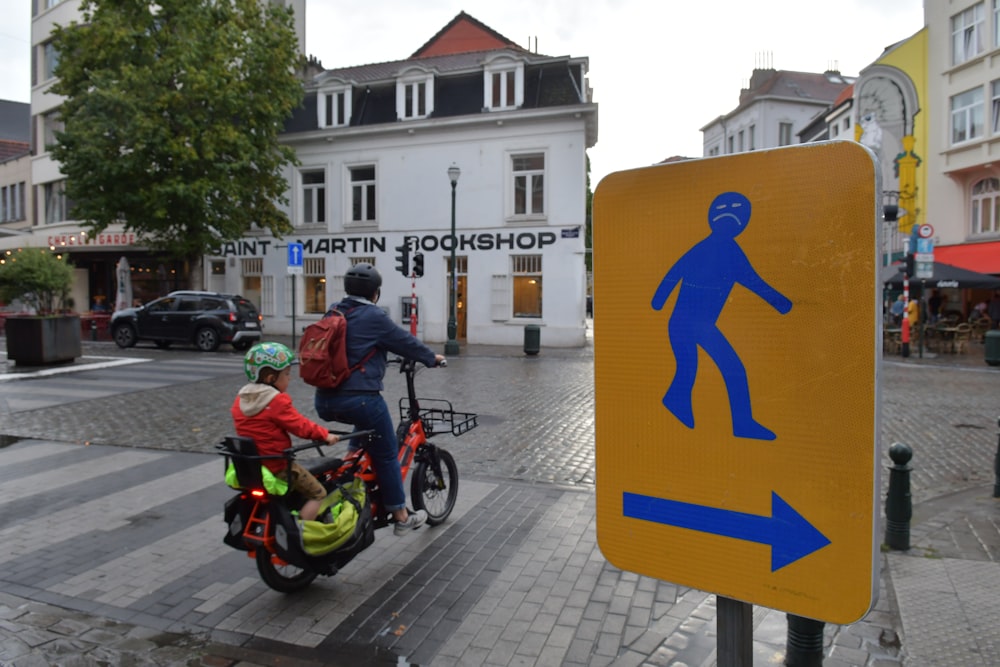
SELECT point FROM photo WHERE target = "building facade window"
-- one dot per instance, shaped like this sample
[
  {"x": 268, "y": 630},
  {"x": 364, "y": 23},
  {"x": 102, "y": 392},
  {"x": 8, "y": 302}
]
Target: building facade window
[
  {"x": 967, "y": 34},
  {"x": 967, "y": 116},
  {"x": 996, "y": 23},
  {"x": 527, "y": 285},
  {"x": 50, "y": 59},
  {"x": 313, "y": 197},
  {"x": 784, "y": 134},
  {"x": 362, "y": 185},
  {"x": 314, "y": 276},
  {"x": 252, "y": 272},
  {"x": 739, "y": 141},
  {"x": 732, "y": 145},
  {"x": 12, "y": 202},
  {"x": 414, "y": 97},
  {"x": 529, "y": 184},
  {"x": 56, "y": 204},
  {"x": 503, "y": 86},
  {"x": 752, "y": 137},
  {"x": 995, "y": 106},
  {"x": 51, "y": 123},
  {"x": 334, "y": 108},
  {"x": 986, "y": 206}
]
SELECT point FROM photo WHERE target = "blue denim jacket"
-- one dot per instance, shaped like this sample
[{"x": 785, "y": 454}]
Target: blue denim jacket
[{"x": 368, "y": 326}]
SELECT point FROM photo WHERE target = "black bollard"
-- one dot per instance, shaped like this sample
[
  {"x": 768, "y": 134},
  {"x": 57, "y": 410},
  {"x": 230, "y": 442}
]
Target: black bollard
[
  {"x": 898, "y": 503},
  {"x": 804, "y": 647},
  {"x": 996, "y": 468},
  {"x": 93, "y": 329}
]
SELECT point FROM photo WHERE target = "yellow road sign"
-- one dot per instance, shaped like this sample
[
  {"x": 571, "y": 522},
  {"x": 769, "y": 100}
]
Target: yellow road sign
[{"x": 737, "y": 343}]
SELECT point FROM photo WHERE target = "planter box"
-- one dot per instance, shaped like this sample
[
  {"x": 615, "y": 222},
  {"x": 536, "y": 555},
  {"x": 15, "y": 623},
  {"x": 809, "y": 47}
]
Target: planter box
[{"x": 37, "y": 341}]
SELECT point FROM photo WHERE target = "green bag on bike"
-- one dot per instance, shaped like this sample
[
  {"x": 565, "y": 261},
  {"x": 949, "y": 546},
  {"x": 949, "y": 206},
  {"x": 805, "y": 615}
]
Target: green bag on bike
[{"x": 343, "y": 516}]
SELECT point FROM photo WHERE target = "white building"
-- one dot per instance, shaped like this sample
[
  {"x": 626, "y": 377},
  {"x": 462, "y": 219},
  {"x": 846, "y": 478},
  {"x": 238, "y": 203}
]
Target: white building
[
  {"x": 376, "y": 143},
  {"x": 963, "y": 155},
  {"x": 776, "y": 106}
]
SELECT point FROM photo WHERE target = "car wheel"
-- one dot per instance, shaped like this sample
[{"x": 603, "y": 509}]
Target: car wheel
[
  {"x": 162, "y": 344},
  {"x": 124, "y": 335},
  {"x": 206, "y": 339}
]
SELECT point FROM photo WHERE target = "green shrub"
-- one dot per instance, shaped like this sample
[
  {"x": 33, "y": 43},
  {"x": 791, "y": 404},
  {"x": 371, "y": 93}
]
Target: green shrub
[{"x": 38, "y": 277}]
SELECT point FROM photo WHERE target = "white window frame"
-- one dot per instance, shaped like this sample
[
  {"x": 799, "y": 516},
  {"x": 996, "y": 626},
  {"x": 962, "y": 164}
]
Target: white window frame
[
  {"x": 784, "y": 134},
  {"x": 527, "y": 180},
  {"x": 314, "y": 270},
  {"x": 526, "y": 266},
  {"x": 50, "y": 60},
  {"x": 967, "y": 28},
  {"x": 985, "y": 207},
  {"x": 996, "y": 23},
  {"x": 504, "y": 73},
  {"x": 333, "y": 107},
  {"x": 995, "y": 105},
  {"x": 407, "y": 108},
  {"x": 500, "y": 294},
  {"x": 967, "y": 121},
  {"x": 250, "y": 268},
  {"x": 55, "y": 202},
  {"x": 313, "y": 207},
  {"x": 51, "y": 123},
  {"x": 366, "y": 189}
]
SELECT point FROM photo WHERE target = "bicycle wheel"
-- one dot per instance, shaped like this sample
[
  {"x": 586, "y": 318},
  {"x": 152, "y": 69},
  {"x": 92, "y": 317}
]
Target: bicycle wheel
[
  {"x": 281, "y": 576},
  {"x": 433, "y": 491}
]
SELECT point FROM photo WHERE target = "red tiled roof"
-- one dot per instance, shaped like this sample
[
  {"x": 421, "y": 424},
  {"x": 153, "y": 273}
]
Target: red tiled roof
[
  {"x": 463, "y": 35},
  {"x": 845, "y": 94},
  {"x": 12, "y": 149}
]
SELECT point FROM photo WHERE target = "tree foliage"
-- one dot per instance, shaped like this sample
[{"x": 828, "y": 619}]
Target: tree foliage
[
  {"x": 172, "y": 111},
  {"x": 37, "y": 277}
]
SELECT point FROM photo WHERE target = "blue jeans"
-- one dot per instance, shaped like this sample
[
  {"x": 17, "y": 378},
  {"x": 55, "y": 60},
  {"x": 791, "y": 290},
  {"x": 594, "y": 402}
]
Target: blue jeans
[{"x": 369, "y": 411}]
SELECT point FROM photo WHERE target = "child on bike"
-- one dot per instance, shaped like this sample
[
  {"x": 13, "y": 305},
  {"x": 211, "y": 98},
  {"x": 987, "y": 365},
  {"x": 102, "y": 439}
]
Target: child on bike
[
  {"x": 263, "y": 411},
  {"x": 358, "y": 401}
]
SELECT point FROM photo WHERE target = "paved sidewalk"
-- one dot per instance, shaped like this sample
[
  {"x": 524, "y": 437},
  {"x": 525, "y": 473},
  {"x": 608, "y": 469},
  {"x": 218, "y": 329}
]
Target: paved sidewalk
[{"x": 140, "y": 577}]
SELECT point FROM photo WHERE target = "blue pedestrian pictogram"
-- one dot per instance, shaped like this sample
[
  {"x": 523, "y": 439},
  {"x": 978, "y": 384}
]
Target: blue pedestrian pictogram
[{"x": 706, "y": 274}]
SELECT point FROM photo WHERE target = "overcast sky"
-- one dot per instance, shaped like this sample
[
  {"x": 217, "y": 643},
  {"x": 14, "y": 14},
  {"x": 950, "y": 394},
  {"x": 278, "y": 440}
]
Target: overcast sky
[{"x": 660, "y": 69}]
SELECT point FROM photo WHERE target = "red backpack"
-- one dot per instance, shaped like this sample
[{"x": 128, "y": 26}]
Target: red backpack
[{"x": 323, "y": 352}]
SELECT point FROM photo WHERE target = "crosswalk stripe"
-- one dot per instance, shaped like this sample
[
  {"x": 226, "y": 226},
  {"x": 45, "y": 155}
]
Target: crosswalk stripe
[
  {"x": 106, "y": 513},
  {"x": 59, "y": 475}
]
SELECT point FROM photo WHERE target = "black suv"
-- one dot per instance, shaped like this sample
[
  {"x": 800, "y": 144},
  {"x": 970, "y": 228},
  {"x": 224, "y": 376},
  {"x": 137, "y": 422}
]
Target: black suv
[{"x": 205, "y": 319}]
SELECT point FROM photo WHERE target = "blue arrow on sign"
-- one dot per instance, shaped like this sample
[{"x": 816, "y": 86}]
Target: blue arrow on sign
[{"x": 790, "y": 536}]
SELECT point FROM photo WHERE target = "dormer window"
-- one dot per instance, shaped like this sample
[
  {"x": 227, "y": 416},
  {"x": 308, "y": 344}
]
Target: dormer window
[
  {"x": 415, "y": 96},
  {"x": 334, "y": 107},
  {"x": 503, "y": 85}
]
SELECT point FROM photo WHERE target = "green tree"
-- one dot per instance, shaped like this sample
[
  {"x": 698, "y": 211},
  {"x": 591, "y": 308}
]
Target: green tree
[
  {"x": 171, "y": 116},
  {"x": 39, "y": 278}
]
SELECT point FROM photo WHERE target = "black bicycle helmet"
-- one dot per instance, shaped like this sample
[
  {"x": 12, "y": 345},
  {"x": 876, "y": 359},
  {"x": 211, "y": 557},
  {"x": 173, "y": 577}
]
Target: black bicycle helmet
[{"x": 362, "y": 280}]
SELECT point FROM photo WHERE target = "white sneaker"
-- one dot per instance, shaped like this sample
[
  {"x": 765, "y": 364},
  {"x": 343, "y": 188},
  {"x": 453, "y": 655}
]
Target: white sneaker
[{"x": 414, "y": 521}]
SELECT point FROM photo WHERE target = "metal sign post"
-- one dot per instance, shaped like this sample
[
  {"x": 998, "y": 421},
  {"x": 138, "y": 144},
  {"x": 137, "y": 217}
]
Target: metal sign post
[{"x": 295, "y": 261}]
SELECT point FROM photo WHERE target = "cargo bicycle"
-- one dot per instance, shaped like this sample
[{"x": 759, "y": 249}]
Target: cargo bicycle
[{"x": 290, "y": 553}]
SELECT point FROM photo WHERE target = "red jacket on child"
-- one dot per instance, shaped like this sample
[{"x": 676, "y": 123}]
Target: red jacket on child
[{"x": 267, "y": 415}]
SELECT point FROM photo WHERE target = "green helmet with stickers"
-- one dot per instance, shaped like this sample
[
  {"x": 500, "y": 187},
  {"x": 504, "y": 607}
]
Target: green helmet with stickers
[{"x": 267, "y": 355}]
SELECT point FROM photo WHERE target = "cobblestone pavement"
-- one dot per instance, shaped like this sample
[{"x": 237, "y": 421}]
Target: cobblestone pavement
[{"x": 550, "y": 599}]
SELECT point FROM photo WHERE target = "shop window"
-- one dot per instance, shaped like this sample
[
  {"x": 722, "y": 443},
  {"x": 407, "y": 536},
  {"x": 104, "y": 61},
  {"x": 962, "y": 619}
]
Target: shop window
[
  {"x": 527, "y": 285},
  {"x": 314, "y": 279},
  {"x": 252, "y": 270}
]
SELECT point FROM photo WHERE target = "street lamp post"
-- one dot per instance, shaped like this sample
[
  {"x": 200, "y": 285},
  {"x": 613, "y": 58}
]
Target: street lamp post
[{"x": 451, "y": 347}]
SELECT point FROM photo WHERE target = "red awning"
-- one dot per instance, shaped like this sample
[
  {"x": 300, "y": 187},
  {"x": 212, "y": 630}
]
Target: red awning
[{"x": 981, "y": 257}]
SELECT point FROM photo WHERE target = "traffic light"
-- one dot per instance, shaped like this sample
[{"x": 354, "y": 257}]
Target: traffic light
[
  {"x": 909, "y": 265},
  {"x": 418, "y": 264},
  {"x": 403, "y": 259},
  {"x": 890, "y": 213}
]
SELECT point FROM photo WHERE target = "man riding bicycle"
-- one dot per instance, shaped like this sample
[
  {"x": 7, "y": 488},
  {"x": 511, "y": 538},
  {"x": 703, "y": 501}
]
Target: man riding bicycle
[{"x": 358, "y": 401}]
